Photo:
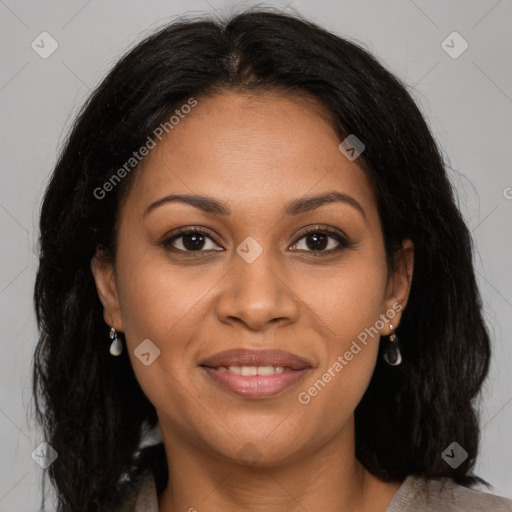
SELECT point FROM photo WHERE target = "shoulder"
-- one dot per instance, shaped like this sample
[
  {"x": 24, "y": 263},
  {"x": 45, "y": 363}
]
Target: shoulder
[
  {"x": 419, "y": 494},
  {"x": 144, "y": 498}
]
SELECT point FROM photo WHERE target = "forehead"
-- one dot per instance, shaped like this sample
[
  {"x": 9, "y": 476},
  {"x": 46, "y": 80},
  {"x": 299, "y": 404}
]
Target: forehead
[{"x": 253, "y": 151}]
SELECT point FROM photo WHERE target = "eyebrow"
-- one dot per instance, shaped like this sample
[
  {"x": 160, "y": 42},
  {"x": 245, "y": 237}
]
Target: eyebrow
[{"x": 304, "y": 204}]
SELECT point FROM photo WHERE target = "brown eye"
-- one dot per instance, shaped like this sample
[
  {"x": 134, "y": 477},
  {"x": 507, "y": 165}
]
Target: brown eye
[
  {"x": 191, "y": 240},
  {"x": 318, "y": 240}
]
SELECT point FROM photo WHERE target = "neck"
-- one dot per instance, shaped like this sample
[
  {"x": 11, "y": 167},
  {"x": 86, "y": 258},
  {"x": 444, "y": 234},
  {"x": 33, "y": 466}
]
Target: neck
[{"x": 327, "y": 478}]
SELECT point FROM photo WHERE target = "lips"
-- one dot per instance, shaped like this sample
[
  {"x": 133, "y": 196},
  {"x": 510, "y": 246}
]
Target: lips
[
  {"x": 243, "y": 357},
  {"x": 255, "y": 374}
]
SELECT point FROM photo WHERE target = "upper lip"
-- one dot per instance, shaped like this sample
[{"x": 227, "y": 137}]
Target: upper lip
[{"x": 244, "y": 357}]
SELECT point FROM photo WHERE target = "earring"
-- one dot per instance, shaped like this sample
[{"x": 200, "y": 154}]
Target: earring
[
  {"x": 116, "y": 347},
  {"x": 392, "y": 354}
]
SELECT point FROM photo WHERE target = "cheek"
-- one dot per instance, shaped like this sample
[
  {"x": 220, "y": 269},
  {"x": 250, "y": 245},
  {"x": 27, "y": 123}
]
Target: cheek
[
  {"x": 351, "y": 311},
  {"x": 161, "y": 305},
  {"x": 348, "y": 305},
  {"x": 348, "y": 298},
  {"x": 157, "y": 299}
]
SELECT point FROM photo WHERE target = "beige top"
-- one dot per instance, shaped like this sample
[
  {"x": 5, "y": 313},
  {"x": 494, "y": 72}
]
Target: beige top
[{"x": 416, "y": 494}]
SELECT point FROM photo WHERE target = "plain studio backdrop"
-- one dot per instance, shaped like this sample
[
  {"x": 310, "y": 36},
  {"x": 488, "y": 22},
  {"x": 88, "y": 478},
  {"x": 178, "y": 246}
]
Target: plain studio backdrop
[{"x": 462, "y": 82}]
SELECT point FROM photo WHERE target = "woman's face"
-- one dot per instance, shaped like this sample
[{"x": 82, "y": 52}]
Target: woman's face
[{"x": 253, "y": 279}]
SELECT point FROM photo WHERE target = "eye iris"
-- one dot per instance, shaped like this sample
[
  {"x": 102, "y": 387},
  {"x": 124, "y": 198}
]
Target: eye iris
[
  {"x": 198, "y": 241},
  {"x": 319, "y": 239}
]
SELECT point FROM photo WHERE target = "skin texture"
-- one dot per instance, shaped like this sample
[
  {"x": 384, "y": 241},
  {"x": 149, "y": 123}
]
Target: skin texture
[{"x": 255, "y": 153}]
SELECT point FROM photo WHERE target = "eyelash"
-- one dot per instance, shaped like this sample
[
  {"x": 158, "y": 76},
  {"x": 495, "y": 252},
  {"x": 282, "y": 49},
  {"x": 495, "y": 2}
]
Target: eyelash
[{"x": 342, "y": 240}]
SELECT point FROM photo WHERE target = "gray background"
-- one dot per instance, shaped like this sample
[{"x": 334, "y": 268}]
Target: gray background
[{"x": 467, "y": 100}]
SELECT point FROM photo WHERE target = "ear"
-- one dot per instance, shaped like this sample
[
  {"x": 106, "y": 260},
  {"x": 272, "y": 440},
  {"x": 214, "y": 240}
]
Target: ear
[
  {"x": 399, "y": 285},
  {"x": 103, "y": 272}
]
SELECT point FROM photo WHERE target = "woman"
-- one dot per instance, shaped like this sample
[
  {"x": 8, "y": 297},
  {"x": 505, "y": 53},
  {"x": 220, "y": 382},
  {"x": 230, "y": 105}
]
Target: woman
[{"x": 250, "y": 243}]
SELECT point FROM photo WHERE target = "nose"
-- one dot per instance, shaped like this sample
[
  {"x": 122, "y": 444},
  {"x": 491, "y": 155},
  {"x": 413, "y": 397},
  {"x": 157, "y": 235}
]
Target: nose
[{"x": 257, "y": 294}]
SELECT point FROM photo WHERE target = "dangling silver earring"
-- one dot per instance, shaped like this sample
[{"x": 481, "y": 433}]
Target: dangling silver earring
[
  {"x": 116, "y": 347},
  {"x": 392, "y": 354}
]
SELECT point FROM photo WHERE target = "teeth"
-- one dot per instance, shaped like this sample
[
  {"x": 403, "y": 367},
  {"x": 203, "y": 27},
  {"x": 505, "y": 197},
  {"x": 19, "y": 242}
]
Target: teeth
[
  {"x": 252, "y": 370},
  {"x": 268, "y": 370},
  {"x": 246, "y": 371}
]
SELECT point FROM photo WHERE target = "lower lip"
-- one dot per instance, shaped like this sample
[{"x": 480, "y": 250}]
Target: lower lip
[{"x": 256, "y": 386}]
